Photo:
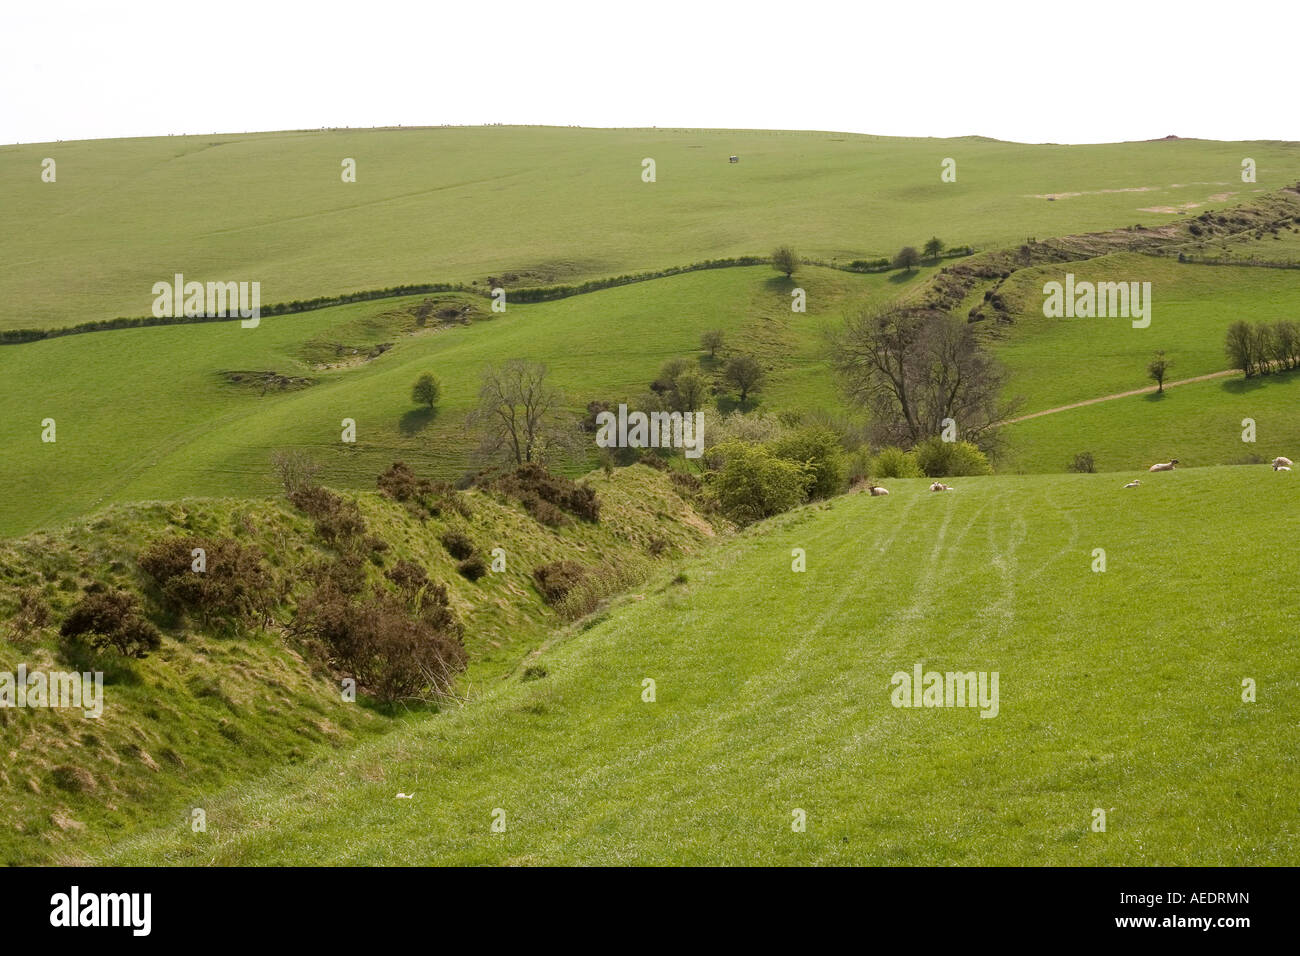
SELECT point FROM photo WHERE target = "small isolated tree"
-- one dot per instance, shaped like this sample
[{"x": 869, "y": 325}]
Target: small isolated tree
[
  {"x": 426, "y": 390},
  {"x": 744, "y": 374},
  {"x": 754, "y": 484},
  {"x": 933, "y": 248},
  {"x": 907, "y": 258},
  {"x": 784, "y": 260},
  {"x": 691, "y": 392},
  {"x": 295, "y": 469},
  {"x": 666, "y": 381},
  {"x": 1157, "y": 368},
  {"x": 712, "y": 341},
  {"x": 519, "y": 416},
  {"x": 1083, "y": 464}
]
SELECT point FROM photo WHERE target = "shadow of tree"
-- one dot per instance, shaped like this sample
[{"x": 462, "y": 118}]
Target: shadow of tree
[
  {"x": 416, "y": 420},
  {"x": 731, "y": 403}
]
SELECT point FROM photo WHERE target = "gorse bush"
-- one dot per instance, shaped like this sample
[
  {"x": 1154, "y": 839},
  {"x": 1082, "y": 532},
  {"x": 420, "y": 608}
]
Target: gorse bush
[
  {"x": 408, "y": 576},
  {"x": 1083, "y": 464},
  {"x": 457, "y": 543},
  {"x": 338, "y": 520},
  {"x": 111, "y": 620},
  {"x": 555, "y": 580},
  {"x": 393, "y": 653},
  {"x": 548, "y": 497},
  {"x": 473, "y": 567},
  {"x": 232, "y": 583},
  {"x": 31, "y": 615}
]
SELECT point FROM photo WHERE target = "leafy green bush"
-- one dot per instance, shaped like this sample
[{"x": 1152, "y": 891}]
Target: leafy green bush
[
  {"x": 755, "y": 484},
  {"x": 895, "y": 463},
  {"x": 819, "y": 449},
  {"x": 942, "y": 459}
]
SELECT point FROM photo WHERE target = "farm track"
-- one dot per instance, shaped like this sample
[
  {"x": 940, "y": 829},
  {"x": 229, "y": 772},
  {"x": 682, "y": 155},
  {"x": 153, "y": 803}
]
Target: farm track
[{"x": 1136, "y": 391}]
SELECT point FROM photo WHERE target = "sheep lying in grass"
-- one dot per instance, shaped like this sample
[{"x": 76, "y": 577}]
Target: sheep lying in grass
[
  {"x": 1164, "y": 465},
  {"x": 939, "y": 486},
  {"x": 1134, "y": 483},
  {"x": 877, "y": 491},
  {"x": 1282, "y": 464}
]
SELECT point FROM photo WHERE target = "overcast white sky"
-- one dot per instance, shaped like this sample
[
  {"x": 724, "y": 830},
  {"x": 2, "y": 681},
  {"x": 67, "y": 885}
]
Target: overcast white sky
[{"x": 1029, "y": 71}]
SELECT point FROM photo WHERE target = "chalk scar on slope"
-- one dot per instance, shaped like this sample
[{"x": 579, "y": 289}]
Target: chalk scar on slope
[{"x": 1128, "y": 394}]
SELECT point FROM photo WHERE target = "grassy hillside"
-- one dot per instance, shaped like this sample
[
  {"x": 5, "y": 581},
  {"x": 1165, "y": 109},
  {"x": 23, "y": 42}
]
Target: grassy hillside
[
  {"x": 1119, "y": 690},
  {"x": 545, "y": 204},
  {"x": 1199, "y": 423},
  {"x": 1057, "y": 361},
  {"x": 154, "y": 414},
  {"x": 208, "y": 709}
]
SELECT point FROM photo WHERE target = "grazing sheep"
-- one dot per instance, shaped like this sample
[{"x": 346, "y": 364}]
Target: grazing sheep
[
  {"x": 1134, "y": 483},
  {"x": 938, "y": 486},
  {"x": 1279, "y": 463},
  {"x": 877, "y": 491},
  {"x": 1164, "y": 465}
]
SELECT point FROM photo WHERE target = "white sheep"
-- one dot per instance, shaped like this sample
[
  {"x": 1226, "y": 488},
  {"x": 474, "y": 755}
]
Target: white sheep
[
  {"x": 877, "y": 491},
  {"x": 1134, "y": 483},
  {"x": 939, "y": 486},
  {"x": 1282, "y": 464},
  {"x": 1164, "y": 465},
  {"x": 1281, "y": 468}
]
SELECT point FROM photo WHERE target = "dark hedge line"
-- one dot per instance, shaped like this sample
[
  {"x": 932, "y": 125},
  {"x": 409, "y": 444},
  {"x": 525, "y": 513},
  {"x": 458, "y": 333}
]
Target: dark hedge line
[{"x": 528, "y": 294}]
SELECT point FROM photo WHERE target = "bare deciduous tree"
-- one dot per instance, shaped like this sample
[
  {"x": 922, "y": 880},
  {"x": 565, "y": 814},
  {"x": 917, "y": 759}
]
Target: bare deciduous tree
[
  {"x": 294, "y": 468},
  {"x": 519, "y": 415},
  {"x": 914, "y": 368}
]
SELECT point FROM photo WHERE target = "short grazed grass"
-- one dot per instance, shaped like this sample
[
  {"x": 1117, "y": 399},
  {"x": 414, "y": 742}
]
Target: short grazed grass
[
  {"x": 543, "y": 204},
  {"x": 1119, "y": 690}
]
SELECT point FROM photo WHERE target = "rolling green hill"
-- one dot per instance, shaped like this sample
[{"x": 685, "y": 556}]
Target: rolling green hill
[
  {"x": 545, "y": 204},
  {"x": 1120, "y": 690},
  {"x": 152, "y": 413}
]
